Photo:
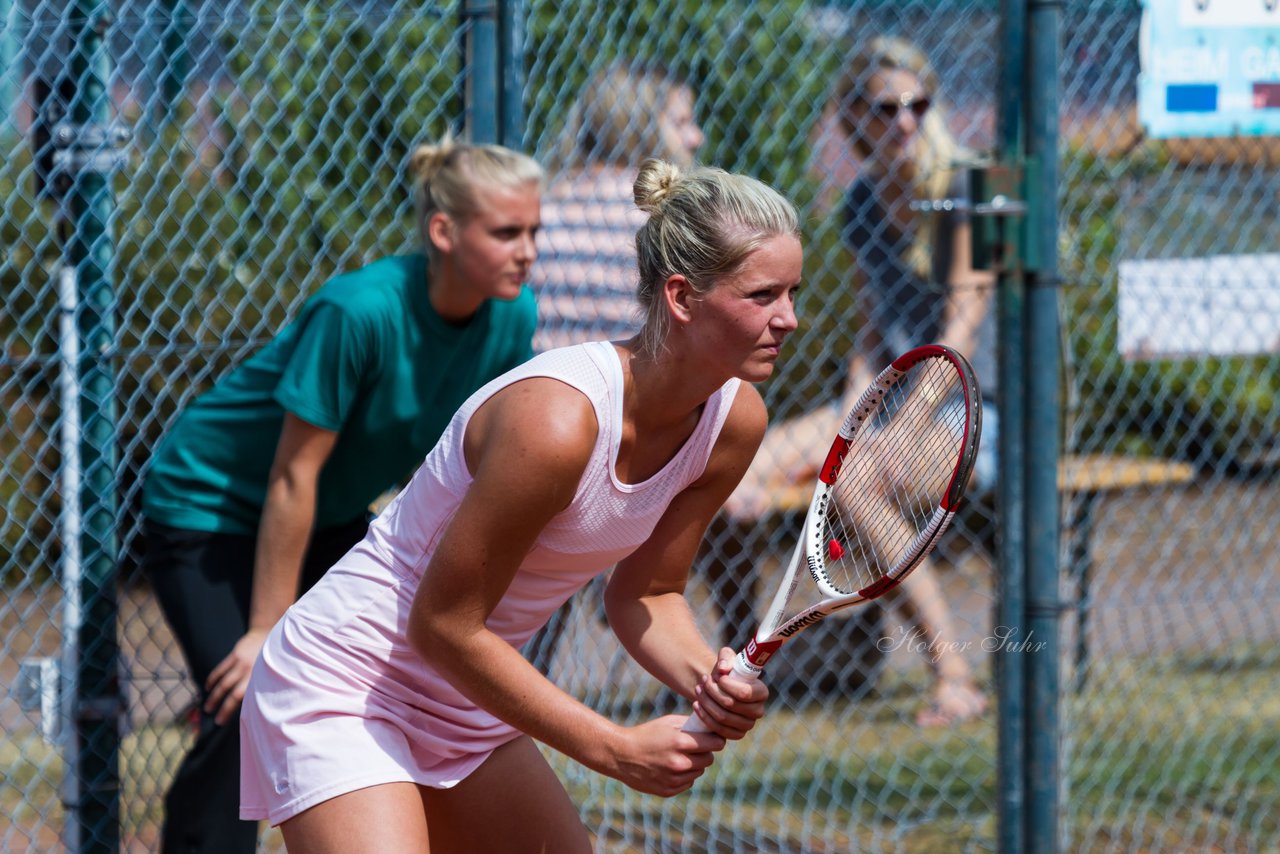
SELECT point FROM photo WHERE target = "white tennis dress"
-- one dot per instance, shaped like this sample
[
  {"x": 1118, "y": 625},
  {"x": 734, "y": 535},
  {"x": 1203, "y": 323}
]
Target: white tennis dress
[{"x": 338, "y": 701}]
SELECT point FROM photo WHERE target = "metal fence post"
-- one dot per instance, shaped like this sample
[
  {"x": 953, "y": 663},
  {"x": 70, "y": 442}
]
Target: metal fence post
[
  {"x": 176, "y": 58},
  {"x": 1010, "y": 594},
  {"x": 511, "y": 72},
  {"x": 480, "y": 65},
  {"x": 94, "y": 744},
  {"x": 9, "y": 67},
  {"x": 1041, "y": 431}
]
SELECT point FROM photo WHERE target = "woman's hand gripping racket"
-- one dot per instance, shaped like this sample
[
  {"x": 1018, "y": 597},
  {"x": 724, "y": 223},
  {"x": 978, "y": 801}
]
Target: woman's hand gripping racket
[{"x": 891, "y": 483}]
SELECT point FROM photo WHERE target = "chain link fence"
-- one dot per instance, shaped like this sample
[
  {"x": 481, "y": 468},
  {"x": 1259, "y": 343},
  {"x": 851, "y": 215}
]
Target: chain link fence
[
  {"x": 1168, "y": 721},
  {"x": 266, "y": 153}
]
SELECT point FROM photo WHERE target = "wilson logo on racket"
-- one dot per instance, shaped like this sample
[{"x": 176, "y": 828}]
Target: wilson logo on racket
[
  {"x": 759, "y": 653},
  {"x": 803, "y": 623}
]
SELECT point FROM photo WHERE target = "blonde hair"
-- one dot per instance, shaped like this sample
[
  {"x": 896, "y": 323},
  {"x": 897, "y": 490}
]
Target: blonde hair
[
  {"x": 936, "y": 152},
  {"x": 446, "y": 174},
  {"x": 703, "y": 223},
  {"x": 615, "y": 119}
]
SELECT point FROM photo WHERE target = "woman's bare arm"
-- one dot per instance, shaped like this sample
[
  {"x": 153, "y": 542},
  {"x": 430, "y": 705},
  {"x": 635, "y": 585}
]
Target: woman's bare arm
[
  {"x": 969, "y": 296},
  {"x": 645, "y": 597},
  {"x": 284, "y": 531},
  {"x": 527, "y": 448}
]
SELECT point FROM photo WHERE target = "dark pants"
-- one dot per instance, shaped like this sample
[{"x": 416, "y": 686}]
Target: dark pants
[{"x": 203, "y": 582}]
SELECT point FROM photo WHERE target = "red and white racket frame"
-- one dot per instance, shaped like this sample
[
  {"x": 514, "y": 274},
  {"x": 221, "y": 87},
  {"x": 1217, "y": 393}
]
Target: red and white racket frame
[{"x": 811, "y": 547}]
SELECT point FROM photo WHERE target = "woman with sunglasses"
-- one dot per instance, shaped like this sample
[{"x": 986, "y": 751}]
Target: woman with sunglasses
[
  {"x": 906, "y": 216},
  {"x": 906, "y": 222}
]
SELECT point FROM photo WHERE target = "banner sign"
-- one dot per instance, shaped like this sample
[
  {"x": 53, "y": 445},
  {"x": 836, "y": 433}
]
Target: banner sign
[{"x": 1209, "y": 68}]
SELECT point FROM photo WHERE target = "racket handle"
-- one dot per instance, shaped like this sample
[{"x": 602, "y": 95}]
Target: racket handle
[{"x": 743, "y": 671}]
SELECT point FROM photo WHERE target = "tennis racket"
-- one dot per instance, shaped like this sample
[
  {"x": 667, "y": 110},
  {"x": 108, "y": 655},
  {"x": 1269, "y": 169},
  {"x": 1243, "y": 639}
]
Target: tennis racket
[{"x": 889, "y": 485}]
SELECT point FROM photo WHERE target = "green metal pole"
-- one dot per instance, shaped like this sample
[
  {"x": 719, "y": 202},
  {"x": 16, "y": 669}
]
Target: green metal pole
[
  {"x": 1041, "y": 428},
  {"x": 96, "y": 708},
  {"x": 176, "y": 59},
  {"x": 480, "y": 65},
  {"x": 1010, "y": 591},
  {"x": 511, "y": 22},
  {"x": 9, "y": 74}
]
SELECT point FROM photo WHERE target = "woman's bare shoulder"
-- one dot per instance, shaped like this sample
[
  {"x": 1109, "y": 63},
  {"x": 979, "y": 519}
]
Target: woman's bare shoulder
[
  {"x": 748, "y": 413},
  {"x": 744, "y": 427},
  {"x": 538, "y": 422}
]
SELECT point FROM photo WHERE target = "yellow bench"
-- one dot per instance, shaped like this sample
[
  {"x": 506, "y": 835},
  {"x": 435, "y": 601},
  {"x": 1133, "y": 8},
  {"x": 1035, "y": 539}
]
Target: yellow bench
[
  {"x": 1087, "y": 479},
  {"x": 1091, "y": 474}
]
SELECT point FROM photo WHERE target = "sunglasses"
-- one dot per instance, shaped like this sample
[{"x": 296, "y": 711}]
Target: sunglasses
[{"x": 888, "y": 110}]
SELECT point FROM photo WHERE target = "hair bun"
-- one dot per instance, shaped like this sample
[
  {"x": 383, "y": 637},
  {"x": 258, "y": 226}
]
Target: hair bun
[
  {"x": 656, "y": 181},
  {"x": 426, "y": 160}
]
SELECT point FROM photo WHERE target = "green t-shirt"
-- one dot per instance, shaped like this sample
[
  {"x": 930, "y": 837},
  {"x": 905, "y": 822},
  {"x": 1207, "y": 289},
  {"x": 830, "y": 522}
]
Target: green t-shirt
[{"x": 367, "y": 358}]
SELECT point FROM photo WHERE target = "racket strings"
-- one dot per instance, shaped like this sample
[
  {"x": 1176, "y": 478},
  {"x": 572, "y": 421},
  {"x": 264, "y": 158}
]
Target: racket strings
[{"x": 894, "y": 476}]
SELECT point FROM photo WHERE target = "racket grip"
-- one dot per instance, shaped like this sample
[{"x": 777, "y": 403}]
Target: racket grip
[{"x": 743, "y": 671}]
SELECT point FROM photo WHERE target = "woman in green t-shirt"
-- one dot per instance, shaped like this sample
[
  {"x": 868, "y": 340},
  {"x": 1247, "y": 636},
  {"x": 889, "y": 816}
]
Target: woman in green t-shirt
[{"x": 265, "y": 480}]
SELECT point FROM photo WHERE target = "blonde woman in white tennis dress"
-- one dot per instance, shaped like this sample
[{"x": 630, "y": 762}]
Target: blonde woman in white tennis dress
[{"x": 390, "y": 709}]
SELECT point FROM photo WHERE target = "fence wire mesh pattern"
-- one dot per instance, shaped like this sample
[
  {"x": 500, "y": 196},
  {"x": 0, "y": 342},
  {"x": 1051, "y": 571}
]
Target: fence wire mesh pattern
[
  {"x": 262, "y": 150},
  {"x": 1168, "y": 725}
]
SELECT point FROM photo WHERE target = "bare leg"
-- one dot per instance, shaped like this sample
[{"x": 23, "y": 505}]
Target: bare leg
[
  {"x": 387, "y": 818},
  {"x": 882, "y": 518},
  {"x": 955, "y": 697},
  {"x": 789, "y": 456},
  {"x": 512, "y": 803}
]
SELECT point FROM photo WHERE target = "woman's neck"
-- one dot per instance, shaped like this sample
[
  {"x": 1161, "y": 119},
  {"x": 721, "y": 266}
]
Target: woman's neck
[
  {"x": 894, "y": 185},
  {"x": 661, "y": 408},
  {"x": 659, "y": 388},
  {"x": 450, "y": 298}
]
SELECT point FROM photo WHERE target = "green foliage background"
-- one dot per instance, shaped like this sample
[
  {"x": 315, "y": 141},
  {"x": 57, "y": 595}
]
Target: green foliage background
[{"x": 217, "y": 244}]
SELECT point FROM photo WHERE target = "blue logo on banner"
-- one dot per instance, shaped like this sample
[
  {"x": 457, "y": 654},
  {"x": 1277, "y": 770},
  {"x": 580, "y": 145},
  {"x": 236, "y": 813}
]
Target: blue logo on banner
[{"x": 1191, "y": 98}]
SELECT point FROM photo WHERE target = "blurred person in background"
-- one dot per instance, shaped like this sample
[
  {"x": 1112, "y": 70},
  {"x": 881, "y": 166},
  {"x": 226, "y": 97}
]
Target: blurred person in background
[
  {"x": 265, "y": 480},
  {"x": 585, "y": 279},
  {"x": 914, "y": 284}
]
